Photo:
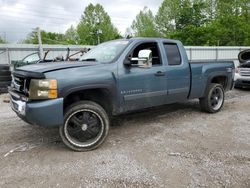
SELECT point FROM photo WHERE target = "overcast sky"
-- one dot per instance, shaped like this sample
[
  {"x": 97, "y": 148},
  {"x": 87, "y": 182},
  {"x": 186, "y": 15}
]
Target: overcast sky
[{"x": 18, "y": 17}]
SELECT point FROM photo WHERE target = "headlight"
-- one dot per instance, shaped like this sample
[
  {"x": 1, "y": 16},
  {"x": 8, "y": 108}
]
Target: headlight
[{"x": 43, "y": 89}]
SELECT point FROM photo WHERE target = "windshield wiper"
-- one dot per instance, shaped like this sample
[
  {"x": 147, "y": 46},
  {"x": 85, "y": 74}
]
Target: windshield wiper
[{"x": 89, "y": 59}]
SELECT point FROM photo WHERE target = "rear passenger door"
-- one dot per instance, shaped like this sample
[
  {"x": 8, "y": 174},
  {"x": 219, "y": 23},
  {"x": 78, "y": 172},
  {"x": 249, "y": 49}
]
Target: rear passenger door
[{"x": 177, "y": 73}]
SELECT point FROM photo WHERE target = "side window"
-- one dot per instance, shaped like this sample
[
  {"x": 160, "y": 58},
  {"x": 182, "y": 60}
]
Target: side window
[
  {"x": 173, "y": 54},
  {"x": 153, "y": 46}
]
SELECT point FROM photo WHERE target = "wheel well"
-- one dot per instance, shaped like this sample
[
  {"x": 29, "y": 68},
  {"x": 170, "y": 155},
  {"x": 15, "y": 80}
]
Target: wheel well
[
  {"x": 220, "y": 80},
  {"x": 101, "y": 96}
]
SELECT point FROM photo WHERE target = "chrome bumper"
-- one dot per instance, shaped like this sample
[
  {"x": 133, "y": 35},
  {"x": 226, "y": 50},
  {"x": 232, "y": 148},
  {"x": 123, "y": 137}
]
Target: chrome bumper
[{"x": 18, "y": 106}]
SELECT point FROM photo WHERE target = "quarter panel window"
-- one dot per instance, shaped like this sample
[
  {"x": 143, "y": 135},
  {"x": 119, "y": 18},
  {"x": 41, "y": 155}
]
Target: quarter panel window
[{"x": 173, "y": 54}]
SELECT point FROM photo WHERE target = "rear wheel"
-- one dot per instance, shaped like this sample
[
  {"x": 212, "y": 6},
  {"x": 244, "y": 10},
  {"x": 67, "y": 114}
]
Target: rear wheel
[
  {"x": 214, "y": 98},
  {"x": 86, "y": 125}
]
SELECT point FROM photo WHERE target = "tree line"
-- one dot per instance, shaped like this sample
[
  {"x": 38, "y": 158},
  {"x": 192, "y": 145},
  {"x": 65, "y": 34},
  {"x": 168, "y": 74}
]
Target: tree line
[
  {"x": 198, "y": 22},
  {"x": 194, "y": 22}
]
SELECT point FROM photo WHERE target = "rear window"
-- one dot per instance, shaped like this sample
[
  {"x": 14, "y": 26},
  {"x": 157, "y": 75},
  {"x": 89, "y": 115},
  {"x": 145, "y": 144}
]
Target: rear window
[{"x": 173, "y": 54}]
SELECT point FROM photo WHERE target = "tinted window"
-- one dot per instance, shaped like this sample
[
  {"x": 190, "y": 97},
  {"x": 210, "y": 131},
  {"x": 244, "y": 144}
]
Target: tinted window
[{"x": 173, "y": 54}]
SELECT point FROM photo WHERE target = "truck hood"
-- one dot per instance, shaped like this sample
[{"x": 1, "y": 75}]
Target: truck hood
[
  {"x": 38, "y": 70},
  {"x": 47, "y": 67}
]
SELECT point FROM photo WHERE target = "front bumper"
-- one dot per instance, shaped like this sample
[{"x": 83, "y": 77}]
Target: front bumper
[
  {"x": 241, "y": 81},
  {"x": 48, "y": 113}
]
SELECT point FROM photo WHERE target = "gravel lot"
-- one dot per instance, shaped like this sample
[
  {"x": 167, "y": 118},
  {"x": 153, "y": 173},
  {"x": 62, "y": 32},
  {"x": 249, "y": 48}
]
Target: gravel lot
[{"x": 170, "y": 146}]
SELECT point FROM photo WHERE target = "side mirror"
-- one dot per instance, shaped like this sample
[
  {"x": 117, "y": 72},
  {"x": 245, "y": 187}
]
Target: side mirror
[
  {"x": 144, "y": 59},
  {"x": 127, "y": 61}
]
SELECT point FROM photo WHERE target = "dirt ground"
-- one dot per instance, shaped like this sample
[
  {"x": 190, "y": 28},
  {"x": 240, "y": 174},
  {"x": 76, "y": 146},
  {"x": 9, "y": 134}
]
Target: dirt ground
[{"x": 170, "y": 146}]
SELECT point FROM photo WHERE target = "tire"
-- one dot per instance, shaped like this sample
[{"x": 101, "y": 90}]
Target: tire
[
  {"x": 214, "y": 98},
  {"x": 77, "y": 131},
  {"x": 5, "y": 78},
  {"x": 4, "y": 67}
]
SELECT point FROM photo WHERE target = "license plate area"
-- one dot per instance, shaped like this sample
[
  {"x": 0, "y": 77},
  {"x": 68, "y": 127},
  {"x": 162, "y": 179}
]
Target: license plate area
[{"x": 18, "y": 106}]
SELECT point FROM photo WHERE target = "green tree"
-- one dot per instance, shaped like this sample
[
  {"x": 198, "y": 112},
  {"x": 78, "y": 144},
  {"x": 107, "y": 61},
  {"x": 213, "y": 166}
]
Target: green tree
[
  {"x": 47, "y": 38},
  {"x": 71, "y": 36},
  {"x": 96, "y": 22},
  {"x": 31, "y": 38},
  {"x": 175, "y": 15},
  {"x": 205, "y": 22},
  {"x": 144, "y": 24},
  {"x": 166, "y": 16},
  {"x": 211, "y": 6},
  {"x": 229, "y": 30},
  {"x": 2, "y": 41},
  {"x": 231, "y": 25}
]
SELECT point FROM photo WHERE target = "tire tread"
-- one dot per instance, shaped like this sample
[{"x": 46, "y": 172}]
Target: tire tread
[
  {"x": 93, "y": 106},
  {"x": 204, "y": 102}
]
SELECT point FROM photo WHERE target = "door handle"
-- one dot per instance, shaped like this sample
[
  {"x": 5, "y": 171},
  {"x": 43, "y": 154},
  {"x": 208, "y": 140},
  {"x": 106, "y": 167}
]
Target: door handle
[{"x": 160, "y": 73}]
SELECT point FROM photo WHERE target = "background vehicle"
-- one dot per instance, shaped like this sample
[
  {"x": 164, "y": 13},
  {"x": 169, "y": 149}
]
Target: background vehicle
[
  {"x": 114, "y": 78},
  {"x": 27, "y": 60},
  {"x": 34, "y": 58},
  {"x": 242, "y": 76},
  {"x": 5, "y": 77}
]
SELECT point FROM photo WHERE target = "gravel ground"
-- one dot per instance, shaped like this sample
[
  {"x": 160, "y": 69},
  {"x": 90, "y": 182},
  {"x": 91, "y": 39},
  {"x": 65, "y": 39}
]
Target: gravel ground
[{"x": 170, "y": 146}]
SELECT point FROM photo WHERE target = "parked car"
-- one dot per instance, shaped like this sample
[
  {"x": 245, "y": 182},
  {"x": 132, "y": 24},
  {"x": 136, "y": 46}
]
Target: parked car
[
  {"x": 114, "y": 78},
  {"x": 5, "y": 78},
  {"x": 34, "y": 58},
  {"x": 242, "y": 75},
  {"x": 27, "y": 60}
]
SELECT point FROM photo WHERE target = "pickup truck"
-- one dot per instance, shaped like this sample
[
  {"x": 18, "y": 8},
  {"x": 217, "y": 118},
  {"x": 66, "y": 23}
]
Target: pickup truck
[{"x": 114, "y": 78}]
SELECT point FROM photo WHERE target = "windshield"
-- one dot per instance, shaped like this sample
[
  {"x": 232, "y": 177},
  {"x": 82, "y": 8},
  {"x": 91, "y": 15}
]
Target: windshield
[
  {"x": 105, "y": 52},
  {"x": 31, "y": 58}
]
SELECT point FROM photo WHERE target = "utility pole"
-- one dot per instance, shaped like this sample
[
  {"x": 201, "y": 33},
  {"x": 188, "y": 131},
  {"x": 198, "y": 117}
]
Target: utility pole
[
  {"x": 99, "y": 32},
  {"x": 4, "y": 36},
  {"x": 40, "y": 43}
]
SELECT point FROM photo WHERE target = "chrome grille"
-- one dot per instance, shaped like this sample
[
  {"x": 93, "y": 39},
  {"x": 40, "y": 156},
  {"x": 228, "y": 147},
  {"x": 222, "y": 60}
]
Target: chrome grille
[
  {"x": 19, "y": 84},
  {"x": 244, "y": 72}
]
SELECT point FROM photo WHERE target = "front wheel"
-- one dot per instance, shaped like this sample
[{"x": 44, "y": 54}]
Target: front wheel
[
  {"x": 86, "y": 125},
  {"x": 214, "y": 98}
]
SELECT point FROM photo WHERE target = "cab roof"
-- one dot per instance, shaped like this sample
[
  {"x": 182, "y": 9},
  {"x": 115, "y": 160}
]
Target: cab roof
[{"x": 152, "y": 38}]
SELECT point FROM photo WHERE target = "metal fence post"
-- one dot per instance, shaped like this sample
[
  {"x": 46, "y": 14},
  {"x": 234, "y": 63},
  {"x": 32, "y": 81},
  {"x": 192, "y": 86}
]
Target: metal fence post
[
  {"x": 8, "y": 56},
  {"x": 217, "y": 54},
  {"x": 191, "y": 54}
]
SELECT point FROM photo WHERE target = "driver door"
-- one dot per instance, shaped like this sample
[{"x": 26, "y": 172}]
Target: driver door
[{"x": 143, "y": 87}]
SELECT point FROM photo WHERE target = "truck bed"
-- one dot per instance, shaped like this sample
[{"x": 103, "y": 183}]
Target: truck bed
[{"x": 202, "y": 70}]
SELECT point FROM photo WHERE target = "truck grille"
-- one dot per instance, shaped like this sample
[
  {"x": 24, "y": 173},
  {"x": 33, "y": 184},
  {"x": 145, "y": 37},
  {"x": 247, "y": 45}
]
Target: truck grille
[
  {"x": 244, "y": 72},
  {"x": 20, "y": 85}
]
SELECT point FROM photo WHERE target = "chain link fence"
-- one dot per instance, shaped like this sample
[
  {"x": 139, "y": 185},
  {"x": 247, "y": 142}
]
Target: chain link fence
[{"x": 10, "y": 52}]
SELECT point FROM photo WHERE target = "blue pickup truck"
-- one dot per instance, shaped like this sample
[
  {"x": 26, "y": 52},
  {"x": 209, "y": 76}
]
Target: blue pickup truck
[{"x": 114, "y": 78}]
